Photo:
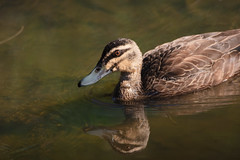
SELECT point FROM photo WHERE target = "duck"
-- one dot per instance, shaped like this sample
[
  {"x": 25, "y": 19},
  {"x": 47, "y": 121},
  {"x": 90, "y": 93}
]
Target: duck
[{"x": 185, "y": 65}]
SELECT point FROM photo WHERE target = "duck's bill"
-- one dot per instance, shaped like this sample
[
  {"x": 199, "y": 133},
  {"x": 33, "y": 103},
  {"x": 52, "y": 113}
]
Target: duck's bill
[{"x": 96, "y": 74}]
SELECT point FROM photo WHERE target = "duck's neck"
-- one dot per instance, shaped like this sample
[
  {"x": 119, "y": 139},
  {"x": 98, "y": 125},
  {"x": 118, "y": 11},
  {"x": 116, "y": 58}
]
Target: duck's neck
[{"x": 129, "y": 86}]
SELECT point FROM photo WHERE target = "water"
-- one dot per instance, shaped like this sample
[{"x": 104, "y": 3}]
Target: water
[{"x": 47, "y": 46}]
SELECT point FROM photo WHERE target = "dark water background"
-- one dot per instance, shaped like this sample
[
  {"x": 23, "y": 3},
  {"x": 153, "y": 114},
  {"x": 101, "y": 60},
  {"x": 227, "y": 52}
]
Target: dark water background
[{"x": 47, "y": 46}]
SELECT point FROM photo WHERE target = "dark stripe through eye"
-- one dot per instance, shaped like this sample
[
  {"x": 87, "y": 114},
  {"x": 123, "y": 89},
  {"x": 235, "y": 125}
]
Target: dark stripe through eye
[{"x": 116, "y": 53}]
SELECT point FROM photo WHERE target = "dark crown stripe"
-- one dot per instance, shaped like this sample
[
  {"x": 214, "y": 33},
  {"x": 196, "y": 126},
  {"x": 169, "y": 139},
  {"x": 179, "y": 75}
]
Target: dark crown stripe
[{"x": 109, "y": 47}]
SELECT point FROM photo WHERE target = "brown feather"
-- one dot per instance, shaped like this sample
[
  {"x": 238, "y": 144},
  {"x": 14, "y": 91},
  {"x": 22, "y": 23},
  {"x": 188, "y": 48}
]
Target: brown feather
[{"x": 191, "y": 63}]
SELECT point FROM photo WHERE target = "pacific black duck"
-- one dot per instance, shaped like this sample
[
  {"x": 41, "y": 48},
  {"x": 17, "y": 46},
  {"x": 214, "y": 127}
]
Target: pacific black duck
[{"x": 184, "y": 65}]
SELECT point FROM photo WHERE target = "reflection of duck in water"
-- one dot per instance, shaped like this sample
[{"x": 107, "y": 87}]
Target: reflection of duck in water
[
  {"x": 184, "y": 65},
  {"x": 130, "y": 136}
]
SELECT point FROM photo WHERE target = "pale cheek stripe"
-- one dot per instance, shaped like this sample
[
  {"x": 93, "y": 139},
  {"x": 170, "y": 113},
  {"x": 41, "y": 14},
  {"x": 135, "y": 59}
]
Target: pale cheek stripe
[
  {"x": 118, "y": 48},
  {"x": 110, "y": 57}
]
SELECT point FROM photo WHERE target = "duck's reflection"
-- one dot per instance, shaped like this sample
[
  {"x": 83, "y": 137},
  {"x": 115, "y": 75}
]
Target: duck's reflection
[
  {"x": 130, "y": 136},
  {"x": 133, "y": 134}
]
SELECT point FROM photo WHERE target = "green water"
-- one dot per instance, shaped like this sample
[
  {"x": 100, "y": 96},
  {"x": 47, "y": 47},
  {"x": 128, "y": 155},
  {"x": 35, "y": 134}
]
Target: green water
[{"x": 46, "y": 47}]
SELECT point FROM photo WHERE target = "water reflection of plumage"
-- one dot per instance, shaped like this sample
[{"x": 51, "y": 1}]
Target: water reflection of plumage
[{"x": 130, "y": 136}]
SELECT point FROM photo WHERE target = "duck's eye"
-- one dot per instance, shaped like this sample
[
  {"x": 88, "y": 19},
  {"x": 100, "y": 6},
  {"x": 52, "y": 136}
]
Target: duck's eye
[{"x": 117, "y": 53}]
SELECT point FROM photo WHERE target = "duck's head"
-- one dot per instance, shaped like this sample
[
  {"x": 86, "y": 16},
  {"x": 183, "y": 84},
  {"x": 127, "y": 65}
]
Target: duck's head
[{"x": 120, "y": 55}]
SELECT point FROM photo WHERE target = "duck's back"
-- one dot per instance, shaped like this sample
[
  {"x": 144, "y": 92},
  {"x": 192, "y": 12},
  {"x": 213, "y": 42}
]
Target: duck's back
[{"x": 191, "y": 63}]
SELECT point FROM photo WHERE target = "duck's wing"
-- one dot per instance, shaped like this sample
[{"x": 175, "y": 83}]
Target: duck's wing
[{"x": 192, "y": 62}]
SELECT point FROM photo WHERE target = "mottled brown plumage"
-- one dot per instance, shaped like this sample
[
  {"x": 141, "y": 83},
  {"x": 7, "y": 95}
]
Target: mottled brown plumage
[
  {"x": 191, "y": 63},
  {"x": 184, "y": 65}
]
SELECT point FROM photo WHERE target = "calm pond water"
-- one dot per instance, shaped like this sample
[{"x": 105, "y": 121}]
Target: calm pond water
[{"x": 46, "y": 47}]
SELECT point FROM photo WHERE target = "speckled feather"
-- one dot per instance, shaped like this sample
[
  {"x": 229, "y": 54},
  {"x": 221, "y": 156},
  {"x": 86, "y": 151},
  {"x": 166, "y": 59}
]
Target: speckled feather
[{"x": 191, "y": 63}]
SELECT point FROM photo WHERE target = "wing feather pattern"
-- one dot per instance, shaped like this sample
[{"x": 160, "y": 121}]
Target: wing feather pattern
[{"x": 191, "y": 63}]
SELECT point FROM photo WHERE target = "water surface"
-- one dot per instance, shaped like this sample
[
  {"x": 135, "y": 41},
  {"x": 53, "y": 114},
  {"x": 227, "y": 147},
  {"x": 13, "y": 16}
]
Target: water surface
[{"x": 47, "y": 46}]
